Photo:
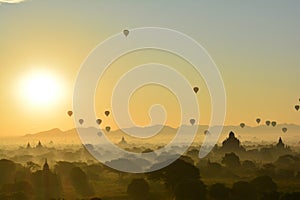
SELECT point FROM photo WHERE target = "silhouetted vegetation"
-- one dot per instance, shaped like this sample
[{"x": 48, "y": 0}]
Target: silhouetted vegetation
[
  {"x": 227, "y": 173},
  {"x": 138, "y": 189}
]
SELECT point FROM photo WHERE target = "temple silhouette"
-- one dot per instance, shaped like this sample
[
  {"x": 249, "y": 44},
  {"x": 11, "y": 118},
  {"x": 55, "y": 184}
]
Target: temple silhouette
[
  {"x": 123, "y": 141},
  {"x": 266, "y": 153},
  {"x": 47, "y": 183},
  {"x": 38, "y": 146},
  {"x": 232, "y": 144},
  {"x": 281, "y": 147}
]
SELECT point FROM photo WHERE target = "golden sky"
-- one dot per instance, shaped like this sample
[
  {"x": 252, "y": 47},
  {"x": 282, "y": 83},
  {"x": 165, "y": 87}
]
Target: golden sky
[{"x": 255, "y": 46}]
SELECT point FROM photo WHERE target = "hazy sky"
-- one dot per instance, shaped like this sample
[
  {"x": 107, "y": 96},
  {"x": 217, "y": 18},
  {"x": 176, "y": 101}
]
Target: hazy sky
[{"x": 255, "y": 45}]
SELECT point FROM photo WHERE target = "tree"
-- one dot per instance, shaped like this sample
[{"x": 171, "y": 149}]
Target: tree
[
  {"x": 291, "y": 196},
  {"x": 94, "y": 171},
  {"x": 32, "y": 166},
  {"x": 7, "y": 169},
  {"x": 231, "y": 160},
  {"x": 265, "y": 188},
  {"x": 248, "y": 164},
  {"x": 264, "y": 185},
  {"x": 248, "y": 168},
  {"x": 191, "y": 189},
  {"x": 268, "y": 169},
  {"x": 63, "y": 168},
  {"x": 287, "y": 162},
  {"x": 243, "y": 190},
  {"x": 19, "y": 190},
  {"x": 46, "y": 184},
  {"x": 23, "y": 186},
  {"x": 175, "y": 173},
  {"x": 138, "y": 189},
  {"x": 80, "y": 182},
  {"x": 219, "y": 191}
]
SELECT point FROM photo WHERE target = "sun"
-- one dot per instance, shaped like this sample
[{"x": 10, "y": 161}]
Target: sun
[{"x": 41, "y": 88}]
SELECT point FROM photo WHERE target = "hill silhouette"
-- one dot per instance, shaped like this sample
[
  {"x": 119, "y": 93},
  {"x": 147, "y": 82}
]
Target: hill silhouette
[{"x": 257, "y": 134}]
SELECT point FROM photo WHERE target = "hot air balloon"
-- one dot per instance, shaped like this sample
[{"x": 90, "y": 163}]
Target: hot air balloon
[
  {"x": 258, "y": 120},
  {"x": 70, "y": 113},
  {"x": 107, "y": 128},
  {"x": 297, "y": 107},
  {"x": 268, "y": 123},
  {"x": 273, "y": 123},
  {"x": 206, "y": 132},
  {"x": 196, "y": 89},
  {"x": 99, "y": 133},
  {"x": 126, "y": 32},
  {"x": 284, "y": 130},
  {"x": 81, "y": 121},
  {"x": 98, "y": 121},
  {"x": 192, "y": 121},
  {"x": 107, "y": 113},
  {"x": 242, "y": 125}
]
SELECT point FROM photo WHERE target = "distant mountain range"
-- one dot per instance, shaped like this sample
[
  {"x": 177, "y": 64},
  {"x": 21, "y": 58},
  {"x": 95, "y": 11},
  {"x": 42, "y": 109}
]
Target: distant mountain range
[{"x": 255, "y": 134}]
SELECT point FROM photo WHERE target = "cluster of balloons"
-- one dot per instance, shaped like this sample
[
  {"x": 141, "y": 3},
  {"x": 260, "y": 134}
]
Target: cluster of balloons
[
  {"x": 107, "y": 128},
  {"x": 193, "y": 121},
  {"x": 268, "y": 123},
  {"x": 98, "y": 121},
  {"x": 273, "y": 123}
]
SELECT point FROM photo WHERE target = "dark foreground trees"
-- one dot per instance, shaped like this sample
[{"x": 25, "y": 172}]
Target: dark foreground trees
[
  {"x": 138, "y": 189},
  {"x": 182, "y": 179},
  {"x": 192, "y": 189},
  {"x": 80, "y": 182}
]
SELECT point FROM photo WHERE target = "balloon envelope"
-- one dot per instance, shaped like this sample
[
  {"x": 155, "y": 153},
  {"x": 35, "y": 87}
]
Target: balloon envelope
[
  {"x": 196, "y": 89},
  {"x": 206, "y": 132},
  {"x": 284, "y": 129},
  {"x": 98, "y": 121},
  {"x": 70, "y": 113},
  {"x": 192, "y": 121},
  {"x": 258, "y": 120},
  {"x": 107, "y": 128},
  {"x": 268, "y": 123},
  {"x": 126, "y": 32},
  {"x": 107, "y": 113},
  {"x": 99, "y": 134},
  {"x": 242, "y": 125},
  {"x": 81, "y": 121},
  {"x": 297, "y": 107},
  {"x": 273, "y": 123}
]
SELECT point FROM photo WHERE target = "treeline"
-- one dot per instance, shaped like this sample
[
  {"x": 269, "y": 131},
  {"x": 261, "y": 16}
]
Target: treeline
[{"x": 180, "y": 181}]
